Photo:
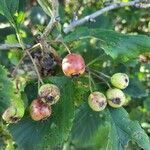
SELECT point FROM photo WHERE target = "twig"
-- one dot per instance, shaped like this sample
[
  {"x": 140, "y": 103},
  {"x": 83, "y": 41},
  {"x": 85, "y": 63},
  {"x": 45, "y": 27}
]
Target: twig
[
  {"x": 90, "y": 84},
  {"x": 94, "y": 60},
  {"x": 135, "y": 3},
  {"x": 144, "y": 6},
  {"x": 100, "y": 73},
  {"x": 17, "y": 67},
  {"x": 100, "y": 78},
  {"x": 35, "y": 66},
  {"x": 96, "y": 75},
  {"x": 28, "y": 53},
  {"x": 24, "y": 55},
  {"x": 11, "y": 46},
  {"x": 66, "y": 47},
  {"x": 54, "y": 18}
]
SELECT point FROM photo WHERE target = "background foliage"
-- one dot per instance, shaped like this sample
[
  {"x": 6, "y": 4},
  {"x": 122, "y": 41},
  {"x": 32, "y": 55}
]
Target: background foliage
[{"x": 117, "y": 42}]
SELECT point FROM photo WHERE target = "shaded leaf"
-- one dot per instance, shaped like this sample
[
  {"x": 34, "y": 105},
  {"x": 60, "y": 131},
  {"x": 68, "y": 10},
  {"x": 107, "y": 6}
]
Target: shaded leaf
[
  {"x": 136, "y": 89},
  {"x": 50, "y": 133},
  {"x": 5, "y": 90},
  {"x": 46, "y": 6},
  {"x": 117, "y": 45},
  {"x": 86, "y": 124},
  {"x": 8, "y": 8},
  {"x": 123, "y": 130}
]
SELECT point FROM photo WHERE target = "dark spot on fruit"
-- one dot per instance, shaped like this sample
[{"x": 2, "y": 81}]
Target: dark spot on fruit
[
  {"x": 75, "y": 75},
  {"x": 126, "y": 80},
  {"x": 14, "y": 119},
  {"x": 116, "y": 100},
  {"x": 101, "y": 104},
  {"x": 50, "y": 98}
]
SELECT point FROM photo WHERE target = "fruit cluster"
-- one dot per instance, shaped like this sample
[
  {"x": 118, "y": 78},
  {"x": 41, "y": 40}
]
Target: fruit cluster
[
  {"x": 73, "y": 65},
  {"x": 114, "y": 96},
  {"x": 40, "y": 108}
]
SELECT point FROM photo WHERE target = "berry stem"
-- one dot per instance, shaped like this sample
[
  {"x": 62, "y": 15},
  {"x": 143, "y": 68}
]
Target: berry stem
[
  {"x": 100, "y": 73},
  {"x": 96, "y": 75},
  {"x": 94, "y": 60},
  {"x": 90, "y": 83},
  {"x": 66, "y": 47}
]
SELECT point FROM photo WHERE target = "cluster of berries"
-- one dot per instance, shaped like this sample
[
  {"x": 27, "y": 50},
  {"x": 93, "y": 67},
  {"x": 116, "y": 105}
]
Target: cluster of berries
[
  {"x": 40, "y": 108},
  {"x": 114, "y": 96},
  {"x": 73, "y": 65},
  {"x": 49, "y": 94}
]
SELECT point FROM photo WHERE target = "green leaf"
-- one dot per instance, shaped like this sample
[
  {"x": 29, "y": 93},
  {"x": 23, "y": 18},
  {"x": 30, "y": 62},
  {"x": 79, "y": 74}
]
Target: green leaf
[
  {"x": 50, "y": 133},
  {"x": 6, "y": 142},
  {"x": 123, "y": 130},
  {"x": 14, "y": 55},
  {"x": 5, "y": 90},
  {"x": 8, "y": 95},
  {"x": 86, "y": 125},
  {"x": 136, "y": 89},
  {"x": 8, "y": 8},
  {"x": 46, "y": 7},
  {"x": 117, "y": 45}
]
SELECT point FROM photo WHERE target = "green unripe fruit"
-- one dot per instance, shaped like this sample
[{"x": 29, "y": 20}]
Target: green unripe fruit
[
  {"x": 50, "y": 93},
  {"x": 10, "y": 115},
  {"x": 127, "y": 101},
  {"x": 116, "y": 98},
  {"x": 97, "y": 101},
  {"x": 120, "y": 80}
]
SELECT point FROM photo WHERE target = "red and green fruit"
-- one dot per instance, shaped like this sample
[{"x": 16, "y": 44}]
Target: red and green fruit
[
  {"x": 39, "y": 110},
  {"x": 73, "y": 65}
]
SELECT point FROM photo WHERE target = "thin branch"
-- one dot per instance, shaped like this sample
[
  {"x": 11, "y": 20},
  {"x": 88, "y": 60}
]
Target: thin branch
[
  {"x": 90, "y": 84},
  {"x": 100, "y": 78},
  {"x": 100, "y": 73},
  {"x": 68, "y": 50},
  {"x": 17, "y": 66},
  {"x": 144, "y": 6},
  {"x": 24, "y": 55},
  {"x": 35, "y": 66},
  {"x": 135, "y": 3},
  {"x": 11, "y": 46},
  {"x": 54, "y": 18}
]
